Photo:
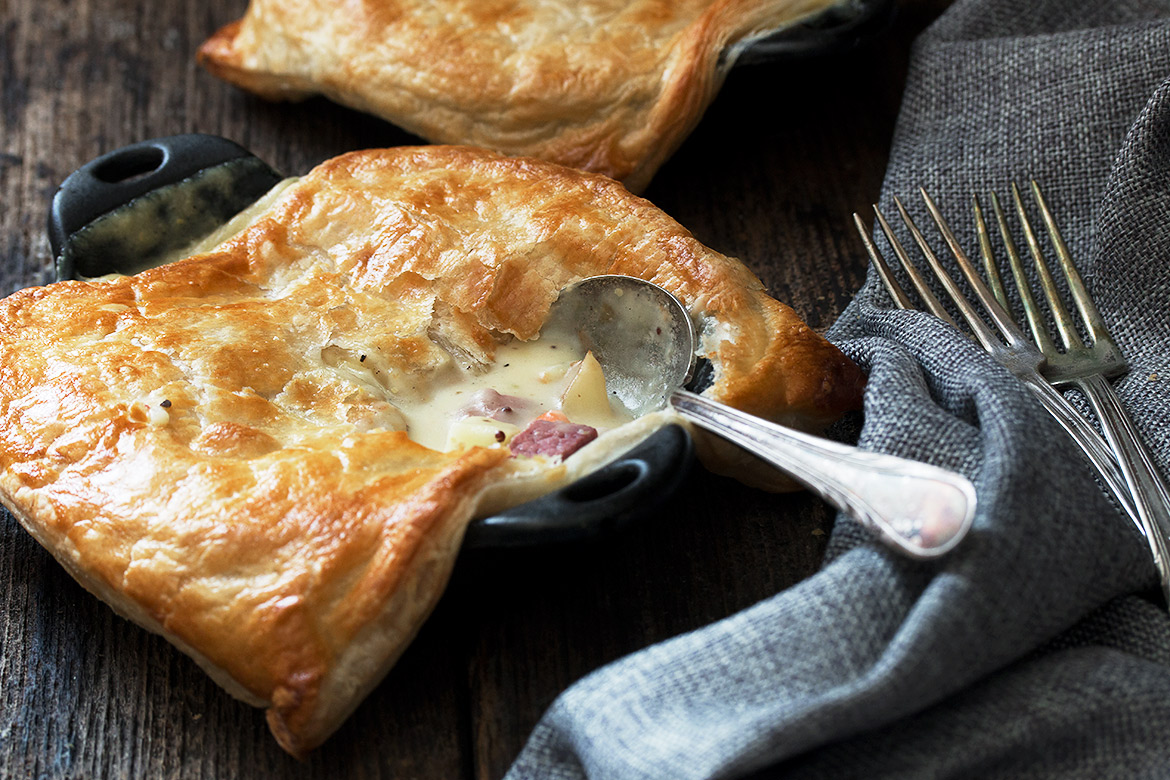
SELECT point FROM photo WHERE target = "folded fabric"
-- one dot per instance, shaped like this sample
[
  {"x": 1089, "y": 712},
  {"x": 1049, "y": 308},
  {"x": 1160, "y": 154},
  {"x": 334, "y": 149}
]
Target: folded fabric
[{"x": 1040, "y": 648}]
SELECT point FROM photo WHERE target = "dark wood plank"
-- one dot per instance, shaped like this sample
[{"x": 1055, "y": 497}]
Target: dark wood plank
[{"x": 770, "y": 176}]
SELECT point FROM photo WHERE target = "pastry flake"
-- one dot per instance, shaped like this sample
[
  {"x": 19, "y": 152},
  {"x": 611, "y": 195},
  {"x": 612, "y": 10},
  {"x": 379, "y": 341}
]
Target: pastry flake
[
  {"x": 603, "y": 85},
  {"x": 213, "y": 447}
]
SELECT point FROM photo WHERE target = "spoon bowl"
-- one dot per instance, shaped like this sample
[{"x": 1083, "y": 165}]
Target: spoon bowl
[
  {"x": 645, "y": 341},
  {"x": 640, "y": 334}
]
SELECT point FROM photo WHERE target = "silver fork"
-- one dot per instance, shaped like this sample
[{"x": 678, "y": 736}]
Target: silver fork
[
  {"x": 1076, "y": 363},
  {"x": 1012, "y": 348}
]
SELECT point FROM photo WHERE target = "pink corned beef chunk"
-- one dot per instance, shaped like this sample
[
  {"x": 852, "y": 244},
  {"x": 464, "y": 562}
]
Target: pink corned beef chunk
[
  {"x": 505, "y": 408},
  {"x": 552, "y": 438}
]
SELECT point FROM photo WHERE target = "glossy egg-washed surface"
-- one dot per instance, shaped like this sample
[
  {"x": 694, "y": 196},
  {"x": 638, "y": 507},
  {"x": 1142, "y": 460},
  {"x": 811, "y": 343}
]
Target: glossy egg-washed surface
[
  {"x": 611, "y": 86},
  {"x": 212, "y": 445}
]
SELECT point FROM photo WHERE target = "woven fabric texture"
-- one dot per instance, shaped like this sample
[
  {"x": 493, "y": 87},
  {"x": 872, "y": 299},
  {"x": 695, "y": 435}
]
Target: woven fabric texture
[{"x": 1039, "y": 648}]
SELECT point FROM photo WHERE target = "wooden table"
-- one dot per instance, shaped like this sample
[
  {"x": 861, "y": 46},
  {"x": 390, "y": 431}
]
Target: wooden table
[{"x": 771, "y": 176}]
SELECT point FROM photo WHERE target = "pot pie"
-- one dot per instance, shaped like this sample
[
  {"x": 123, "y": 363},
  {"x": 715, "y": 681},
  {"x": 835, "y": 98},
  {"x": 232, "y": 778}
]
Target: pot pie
[
  {"x": 219, "y": 447},
  {"x": 611, "y": 86}
]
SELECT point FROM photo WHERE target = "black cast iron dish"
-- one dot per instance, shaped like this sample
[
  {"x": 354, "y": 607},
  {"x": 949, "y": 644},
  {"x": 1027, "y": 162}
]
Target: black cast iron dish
[
  {"x": 126, "y": 210},
  {"x": 834, "y": 31}
]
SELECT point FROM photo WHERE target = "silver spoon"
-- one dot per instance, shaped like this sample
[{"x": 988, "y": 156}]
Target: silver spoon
[{"x": 645, "y": 342}]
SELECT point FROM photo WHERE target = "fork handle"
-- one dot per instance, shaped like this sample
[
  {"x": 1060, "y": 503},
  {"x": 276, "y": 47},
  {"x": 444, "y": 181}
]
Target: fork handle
[
  {"x": 1149, "y": 492},
  {"x": 919, "y": 509},
  {"x": 1087, "y": 438}
]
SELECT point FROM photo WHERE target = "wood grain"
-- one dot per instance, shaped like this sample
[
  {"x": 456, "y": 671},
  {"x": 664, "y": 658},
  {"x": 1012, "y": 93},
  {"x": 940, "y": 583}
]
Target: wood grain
[{"x": 771, "y": 175}]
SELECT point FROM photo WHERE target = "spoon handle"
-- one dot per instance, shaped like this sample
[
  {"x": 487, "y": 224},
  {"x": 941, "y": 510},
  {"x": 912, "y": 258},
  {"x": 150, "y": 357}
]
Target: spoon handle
[{"x": 919, "y": 509}]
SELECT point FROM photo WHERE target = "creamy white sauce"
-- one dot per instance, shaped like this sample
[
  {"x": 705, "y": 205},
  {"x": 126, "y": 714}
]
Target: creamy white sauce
[{"x": 538, "y": 371}]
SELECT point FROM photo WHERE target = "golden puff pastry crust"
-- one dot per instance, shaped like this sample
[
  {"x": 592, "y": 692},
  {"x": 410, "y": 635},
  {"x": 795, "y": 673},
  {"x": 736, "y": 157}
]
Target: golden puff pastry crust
[
  {"x": 611, "y": 86},
  {"x": 212, "y": 446}
]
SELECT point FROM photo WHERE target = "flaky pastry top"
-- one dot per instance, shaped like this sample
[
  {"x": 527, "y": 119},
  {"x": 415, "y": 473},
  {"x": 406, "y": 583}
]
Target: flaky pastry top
[
  {"x": 612, "y": 86},
  {"x": 212, "y": 445}
]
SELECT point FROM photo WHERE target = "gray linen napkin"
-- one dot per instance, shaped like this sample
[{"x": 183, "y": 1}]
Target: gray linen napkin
[{"x": 1036, "y": 649}]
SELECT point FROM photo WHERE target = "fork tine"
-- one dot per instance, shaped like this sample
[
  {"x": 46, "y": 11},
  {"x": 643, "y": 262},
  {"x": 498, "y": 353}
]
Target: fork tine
[
  {"x": 990, "y": 270},
  {"x": 1003, "y": 321},
  {"x": 1064, "y": 323},
  {"x": 1036, "y": 322},
  {"x": 916, "y": 278},
  {"x": 1093, "y": 320},
  {"x": 901, "y": 299}
]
